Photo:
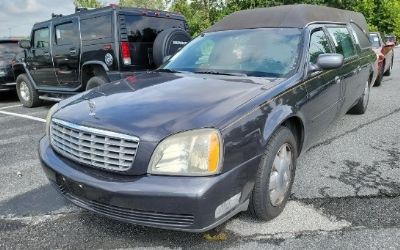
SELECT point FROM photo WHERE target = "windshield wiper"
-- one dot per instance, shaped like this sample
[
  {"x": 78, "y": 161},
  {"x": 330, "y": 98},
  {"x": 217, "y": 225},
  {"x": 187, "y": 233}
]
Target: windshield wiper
[{"x": 212, "y": 72}]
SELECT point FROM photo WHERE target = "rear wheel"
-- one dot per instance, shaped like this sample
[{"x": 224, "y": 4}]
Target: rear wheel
[
  {"x": 27, "y": 94},
  {"x": 379, "y": 78},
  {"x": 362, "y": 103},
  {"x": 96, "y": 81},
  {"x": 389, "y": 71},
  {"x": 275, "y": 176}
]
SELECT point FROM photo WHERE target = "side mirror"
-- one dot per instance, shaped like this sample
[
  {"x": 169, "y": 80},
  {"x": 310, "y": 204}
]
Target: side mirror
[
  {"x": 327, "y": 61},
  {"x": 389, "y": 44},
  {"x": 25, "y": 44}
]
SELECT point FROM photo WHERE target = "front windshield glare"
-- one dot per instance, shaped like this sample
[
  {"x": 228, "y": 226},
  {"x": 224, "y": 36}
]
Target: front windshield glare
[{"x": 268, "y": 52}]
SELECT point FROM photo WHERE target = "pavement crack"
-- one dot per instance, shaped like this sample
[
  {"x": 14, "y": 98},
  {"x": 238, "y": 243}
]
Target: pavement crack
[{"x": 332, "y": 139}]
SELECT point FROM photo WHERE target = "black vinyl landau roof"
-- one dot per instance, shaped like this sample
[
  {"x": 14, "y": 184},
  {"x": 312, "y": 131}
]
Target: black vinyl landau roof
[{"x": 287, "y": 16}]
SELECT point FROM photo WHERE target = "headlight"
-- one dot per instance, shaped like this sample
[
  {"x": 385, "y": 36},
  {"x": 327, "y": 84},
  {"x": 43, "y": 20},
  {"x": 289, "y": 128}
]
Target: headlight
[
  {"x": 194, "y": 153},
  {"x": 48, "y": 118}
]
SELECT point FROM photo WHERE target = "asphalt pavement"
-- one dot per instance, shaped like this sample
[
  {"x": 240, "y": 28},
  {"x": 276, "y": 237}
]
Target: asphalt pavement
[{"x": 346, "y": 193}]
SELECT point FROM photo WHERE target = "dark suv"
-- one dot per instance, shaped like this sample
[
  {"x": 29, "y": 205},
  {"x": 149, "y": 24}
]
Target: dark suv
[
  {"x": 8, "y": 52},
  {"x": 70, "y": 54}
]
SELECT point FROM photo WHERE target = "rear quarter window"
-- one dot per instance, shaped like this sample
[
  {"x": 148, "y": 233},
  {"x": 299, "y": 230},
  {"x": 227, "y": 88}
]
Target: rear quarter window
[
  {"x": 96, "y": 28},
  {"x": 342, "y": 40},
  {"x": 360, "y": 37}
]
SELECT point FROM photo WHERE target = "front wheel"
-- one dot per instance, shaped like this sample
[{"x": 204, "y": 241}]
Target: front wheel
[
  {"x": 275, "y": 176},
  {"x": 362, "y": 103},
  {"x": 27, "y": 94},
  {"x": 389, "y": 71}
]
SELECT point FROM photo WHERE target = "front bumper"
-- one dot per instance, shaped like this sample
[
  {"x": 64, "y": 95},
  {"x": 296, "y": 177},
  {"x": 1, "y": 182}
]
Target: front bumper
[
  {"x": 7, "y": 81},
  {"x": 169, "y": 202}
]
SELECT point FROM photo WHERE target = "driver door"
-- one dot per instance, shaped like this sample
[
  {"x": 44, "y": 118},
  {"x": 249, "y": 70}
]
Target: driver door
[
  {"x": 40, "y": 63},
  {"x": 323, "y": 87}
]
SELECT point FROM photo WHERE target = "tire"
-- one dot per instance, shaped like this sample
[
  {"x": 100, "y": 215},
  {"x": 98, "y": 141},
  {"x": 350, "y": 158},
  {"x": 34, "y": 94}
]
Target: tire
[
  {"x": 362, "y": 102},
  {"x": 96, "y": 81},
  {"x": 389, "y": 71},
  {"x": 27, "y": 94},
  {"x": 262, "y": 204},
  {"x": 378, "y": 81},
  {"x": 167, "y": 43}
]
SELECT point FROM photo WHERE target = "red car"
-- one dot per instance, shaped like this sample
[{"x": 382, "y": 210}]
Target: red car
[{"x": 384, "y": 53}]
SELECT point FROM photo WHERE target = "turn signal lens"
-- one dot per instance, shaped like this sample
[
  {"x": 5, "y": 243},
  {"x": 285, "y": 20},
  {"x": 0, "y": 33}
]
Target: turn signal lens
[{"x": 214, "y": 153}]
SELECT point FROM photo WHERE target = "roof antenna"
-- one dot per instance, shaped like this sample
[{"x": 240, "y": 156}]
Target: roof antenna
[{"x": 56, "y": 15}]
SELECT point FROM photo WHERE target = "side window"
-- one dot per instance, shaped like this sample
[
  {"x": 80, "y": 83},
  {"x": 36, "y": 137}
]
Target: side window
[
  {"x": 41, "y": 38},
  {"x": 342, "y": 39},
  {"x": 96, "y": 28},
  {"x": 319, "y": 44},
  {"x": 65, "y": 33},
  {"x": 375, "y": 41},
  {"x": 360, "y": 37}
]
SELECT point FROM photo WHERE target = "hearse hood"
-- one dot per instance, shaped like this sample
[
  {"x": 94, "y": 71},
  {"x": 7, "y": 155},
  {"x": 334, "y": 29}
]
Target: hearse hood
[{"x": 154, "y": 105}]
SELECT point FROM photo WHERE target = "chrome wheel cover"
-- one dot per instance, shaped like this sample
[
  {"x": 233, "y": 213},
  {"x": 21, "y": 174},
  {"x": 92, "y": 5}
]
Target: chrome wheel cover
[
  {"x": 280, "y": 176},
  {"x": 24, "y": 91}
]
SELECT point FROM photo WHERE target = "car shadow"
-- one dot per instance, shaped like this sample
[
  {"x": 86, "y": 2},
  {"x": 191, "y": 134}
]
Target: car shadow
[
  {"x": 8, "y": 96},
  {"x": 39, "y": 201}
]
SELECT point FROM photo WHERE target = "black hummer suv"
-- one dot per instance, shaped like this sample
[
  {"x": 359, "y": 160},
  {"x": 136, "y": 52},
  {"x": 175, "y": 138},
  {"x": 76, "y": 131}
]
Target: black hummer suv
[
  {"x": 70, "y": 54},
  {"x": 8, "y": 53}
]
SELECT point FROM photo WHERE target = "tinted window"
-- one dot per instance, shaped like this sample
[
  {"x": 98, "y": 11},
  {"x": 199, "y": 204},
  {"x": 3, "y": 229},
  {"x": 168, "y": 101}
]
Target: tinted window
[
  {"x": 41, "y": 38},
  {"x": 342, "y": 39},
  {"x": 8, "y": 50},
  {"x": 319, "y": 44},
  {"x": 65, "y": 33},
  {"x": 376, "y": 42},
  {"x": 269, "y": 52},
  {"x": 96, "y": 28},
  {"x": 360, "y": 37},
  {"x": 145, "y": 29}
]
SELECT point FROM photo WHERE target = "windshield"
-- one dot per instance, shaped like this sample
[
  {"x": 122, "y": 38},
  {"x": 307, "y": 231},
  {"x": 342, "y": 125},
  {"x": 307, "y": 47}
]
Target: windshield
[
  {"x": 9, "y": 50},
  {"x": 269, "y": 52},
  {"x": 374, "y": 38}
]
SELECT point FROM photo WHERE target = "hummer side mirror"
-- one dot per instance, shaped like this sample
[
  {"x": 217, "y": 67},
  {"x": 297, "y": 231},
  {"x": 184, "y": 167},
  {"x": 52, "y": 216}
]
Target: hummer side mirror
[{"x": 25, "y": 44}]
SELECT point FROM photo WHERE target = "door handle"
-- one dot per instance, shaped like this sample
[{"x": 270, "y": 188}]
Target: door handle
[
  {"x": 46, "y": 53},
  {"x": 72, "y": 51}
]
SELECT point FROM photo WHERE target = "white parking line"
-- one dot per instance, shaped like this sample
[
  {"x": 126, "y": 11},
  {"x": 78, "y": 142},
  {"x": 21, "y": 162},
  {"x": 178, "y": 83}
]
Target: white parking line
[
  {"x": 13, "y": 106},
  {"x": 23, "y": 116}
]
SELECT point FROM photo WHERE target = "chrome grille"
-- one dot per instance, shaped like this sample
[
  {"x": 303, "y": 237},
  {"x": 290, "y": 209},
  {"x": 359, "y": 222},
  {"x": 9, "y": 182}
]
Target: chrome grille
[{"x": 94, "y": 147}]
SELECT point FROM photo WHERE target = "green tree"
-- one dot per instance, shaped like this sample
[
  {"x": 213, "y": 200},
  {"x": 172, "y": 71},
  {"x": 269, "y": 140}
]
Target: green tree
[
  {"x": 88, "y": 3},
  {"x": 381, "y": 15},
  {"x": 153, "y": 4}
]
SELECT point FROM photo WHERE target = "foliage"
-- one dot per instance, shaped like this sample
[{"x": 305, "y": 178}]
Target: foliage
[
  {"x": 148, "y": 4},
  {"x": 88, "y": 3},
  {"x": 382, "y": 15}
]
